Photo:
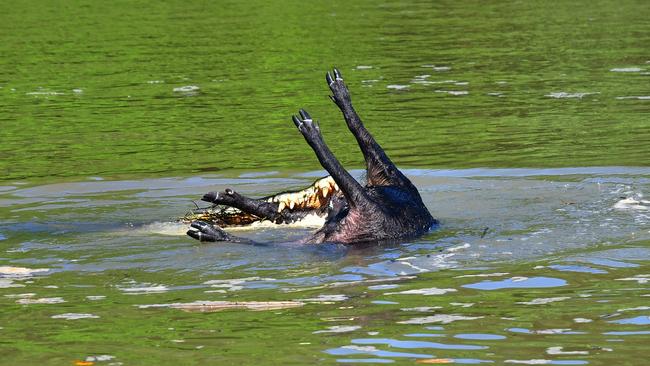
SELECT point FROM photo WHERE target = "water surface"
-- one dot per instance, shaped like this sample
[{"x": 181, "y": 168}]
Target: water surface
[
  {"x": 524, "y": 268},
  {"x": 524, "y": 126}
]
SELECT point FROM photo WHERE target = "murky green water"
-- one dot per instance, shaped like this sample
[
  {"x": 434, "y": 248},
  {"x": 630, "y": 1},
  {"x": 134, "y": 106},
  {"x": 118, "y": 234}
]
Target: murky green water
[{"x": 524, "y": 125}]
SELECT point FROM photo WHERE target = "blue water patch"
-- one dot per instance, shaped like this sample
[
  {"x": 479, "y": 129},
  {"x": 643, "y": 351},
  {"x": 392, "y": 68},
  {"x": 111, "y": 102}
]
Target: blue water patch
[
  {"x": 435, "y": 327},
  {"x": 639, "y": 320},
  {"x": 390, "y": 255},
  {"x": 344, "y": 278},
  {"x": 532, "y": 282},
  {"x": 364, "y": 360},
  {"x": 352, "y": 350},
  {"x": 610, "y": 263},
  {"x": 575, "y": 268},
  {"x": 384, "y": 302},
  {"x": 382, "y": 287},
  {"x": 480, "y": 336},
  {"x": 544, "y": 331},
  {"x": 520, "y": 330},
  {"x": 261, "y": 285},
  {"x": 624, "y": 333},
  {"x": 415, "y": 344}
]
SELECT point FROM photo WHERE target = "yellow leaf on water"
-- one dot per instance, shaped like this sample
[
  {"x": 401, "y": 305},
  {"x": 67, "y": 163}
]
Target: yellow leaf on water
[{"x": 83, "y": 363}]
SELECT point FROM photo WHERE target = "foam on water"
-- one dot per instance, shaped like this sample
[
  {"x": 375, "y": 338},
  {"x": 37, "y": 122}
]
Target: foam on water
[
  {"x": 179, "y": 228},
  {"x": 626, "y": 69},
  {"x": 565, "y": 95}
]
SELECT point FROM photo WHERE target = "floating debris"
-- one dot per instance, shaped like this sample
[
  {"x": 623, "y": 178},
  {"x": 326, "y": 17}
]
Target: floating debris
[
  {"x": 462, "y": 304},
  {"x": 582, "y": 320},
  {"x": 214, "y": 306},
  {"x": 339, "y": 329},
  {"x": 459, "y": 247},
  {"x": 398, "y": 86},
  {"x": 95, "y": 297},
  {"x": 6, "y": 283},
  {"x": 453, "y": 92},
  {"x": 234, "y": 284},
  {"x": 188, "y": 90},
  {"x": 423, "y": 309},
  {"x": 565, "y": 95},
  {"x": 74, "y": 316},
  {"x": 438, "y": 68},
  {"x": 543, "y": 301},
  {"x": 83, "y": 363},
  {"x": 626, "y": 69},
  {"x": 46, "y": 93},
  {"x": 635, "y": 309},
  {"x": 640, "y": 97},
  {"x": 424, "y": 291},
  {"x": 20, "y": 296},
  {"x": 44, "y": 300},
  {"x": 641, "y": 279},
  {"x": 558, "y": 350},
  {"x": 544, "y": 331},
  {"x": 440, "y": 318},
  {"x": 325, "y": 299},
  {"x": 17, "y": 272},
  {"x": 145, "y": 290},
  {"x": 632, "y": 204},
  {"x": 100, "y": 358}
]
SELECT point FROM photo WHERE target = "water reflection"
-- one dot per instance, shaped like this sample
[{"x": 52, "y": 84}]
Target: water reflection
[
  {"x": 415, "y": 344},
  {"x": 518, "y": 282},
  {"x": 480, "y": 336},
  {"x": 639, "y": 320}
]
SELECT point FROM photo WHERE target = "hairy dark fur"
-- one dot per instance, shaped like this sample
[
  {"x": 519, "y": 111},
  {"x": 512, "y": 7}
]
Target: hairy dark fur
[{"x": 388, "y": 207}]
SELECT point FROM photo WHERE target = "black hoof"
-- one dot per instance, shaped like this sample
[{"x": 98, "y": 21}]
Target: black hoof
[
  {"x": 337, "y": 76},
  {"x": 341, "y": 95},
  {"x": 202, "y": 231},
  {"x": 306, "y": 125},
  {"x": 296, "y": 121},
  {"x": 304, "y": 114}
]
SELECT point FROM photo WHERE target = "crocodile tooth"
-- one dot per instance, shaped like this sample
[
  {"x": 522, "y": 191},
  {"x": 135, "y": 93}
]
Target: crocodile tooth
[
  {"x": 325, "y": 191},
  {"x": 291, "y": 204},
  {"x": 281, "y": 206}
]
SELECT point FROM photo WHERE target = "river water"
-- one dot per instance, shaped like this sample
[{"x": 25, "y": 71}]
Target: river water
[{"x": 523, "y": 125}]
